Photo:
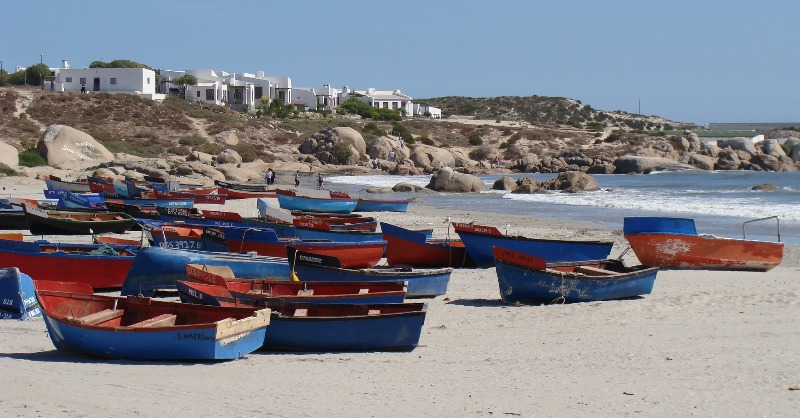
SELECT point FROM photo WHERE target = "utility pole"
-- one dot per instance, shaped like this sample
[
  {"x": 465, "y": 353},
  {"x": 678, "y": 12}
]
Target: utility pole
[
  {"x": 640, "y": 107},
  {"x": 41, "y": 58}
]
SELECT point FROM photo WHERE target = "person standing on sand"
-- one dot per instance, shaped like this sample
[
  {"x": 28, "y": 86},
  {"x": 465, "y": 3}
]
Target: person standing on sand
[
  {"x": 297, "y": 179},
  {"x": 320, "y": 183},
  {"x": 270, "y": 178}
]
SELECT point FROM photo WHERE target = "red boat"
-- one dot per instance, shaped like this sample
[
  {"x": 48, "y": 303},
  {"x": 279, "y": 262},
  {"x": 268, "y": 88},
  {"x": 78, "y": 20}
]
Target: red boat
[
  {"x": 101, "y": 266},
  {"x": 198, "y": 198},
  {"x": 245, "y": 194},
  {"x": 413, "y": 248},
  {"x": 674, "y": 243}
]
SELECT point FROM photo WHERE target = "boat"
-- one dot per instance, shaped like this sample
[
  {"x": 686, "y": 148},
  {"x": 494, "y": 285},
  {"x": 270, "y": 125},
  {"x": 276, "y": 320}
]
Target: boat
[
  {"x": 319, "y": 229},
  {"x": 197, "y": 216},
  {"x": 264, "y": 241},
  {"x": 480, "y": 239},
  {"x": 56, "y": 183},
  {"x": 102, "y": 185},
  {"x": 17, "y": 299},
  {"x": 674, "y": 243},
  {"x": 198, "y": 198},
  {"x": 245, "y": 194},
  {"x": 164, "y": 203},
  {"x": 44, "y": 221},
  {"x": 12, "y": 216},
  {"x": 382, "y": 205},
  {"x": 277, "y": 216},
  {"x": 171, "y": 235},
  {"x": 249, "y": 187},
  {"x": 158, "y": 269},
  {"x": 250, "y": 291},
  {"x": 71, "y": 200},
  {"x": 525, "y": 278},
  {"x": 405, "y": 247},
  {"x": 421, "y": 283},
  {"x": 290, "y": 200},
  {"x": 139, "y": 328},
  {"x": 101, "y": 266},
  {"x": 314, "y": 327}
]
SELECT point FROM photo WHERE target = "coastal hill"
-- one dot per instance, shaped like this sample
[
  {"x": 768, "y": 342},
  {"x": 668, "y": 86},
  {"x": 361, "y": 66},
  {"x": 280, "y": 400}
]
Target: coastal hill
[{"x": 527, "y": 134}]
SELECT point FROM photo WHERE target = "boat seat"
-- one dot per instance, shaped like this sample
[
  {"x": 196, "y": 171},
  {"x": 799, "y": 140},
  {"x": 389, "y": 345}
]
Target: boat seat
[
  {"x": 594, "y": 271},
  {"x": 363, "y": 291},
  {"x": 99, "y": 317},
  {"x": 301, "y": 312},
  {"x": 305, "y": 292},
  {"x": 165, "y": 320},
  {"x": 374, "y": 312}
]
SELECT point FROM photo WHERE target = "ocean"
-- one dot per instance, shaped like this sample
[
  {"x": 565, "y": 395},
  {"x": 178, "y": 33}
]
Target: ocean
[{"x": 719, "y": 202}]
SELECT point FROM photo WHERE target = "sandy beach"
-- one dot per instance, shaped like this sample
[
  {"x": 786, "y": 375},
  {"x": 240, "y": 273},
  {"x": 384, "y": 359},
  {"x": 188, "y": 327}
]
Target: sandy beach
[{"x": 703, "y": 343}]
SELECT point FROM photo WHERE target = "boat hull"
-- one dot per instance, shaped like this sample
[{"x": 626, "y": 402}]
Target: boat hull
[
  {"x": 413, "y": 248},
  {"x": 310, "y": 204},
  {"x": 44, "y": 222},
  {"x": 374, "y": 205},
  {"x": 520, "y": 283},
  {"x": 419, "y": 283},
  {"x": 17, "y": 298}
]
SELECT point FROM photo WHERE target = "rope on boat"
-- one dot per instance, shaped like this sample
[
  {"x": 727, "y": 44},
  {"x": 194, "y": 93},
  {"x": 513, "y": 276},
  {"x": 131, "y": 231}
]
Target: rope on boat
[{"x": 563, "y": 298}]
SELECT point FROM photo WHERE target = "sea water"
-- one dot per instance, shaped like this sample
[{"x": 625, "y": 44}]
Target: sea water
[{"x": 719, "y": 202}]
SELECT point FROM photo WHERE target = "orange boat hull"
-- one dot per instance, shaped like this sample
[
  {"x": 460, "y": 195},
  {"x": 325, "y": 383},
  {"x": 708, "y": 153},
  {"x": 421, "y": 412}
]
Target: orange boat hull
[{"x": 703, "y": 253}]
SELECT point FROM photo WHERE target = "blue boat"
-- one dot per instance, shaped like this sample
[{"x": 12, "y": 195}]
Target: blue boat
[
  {"x": 378, "y": 205},
  {"x": 658, "y": 225},
  {"x": 313, "y": 327},
  {"x": 289, "y": 200},
  {"x": 311, "y": 229},
  {"x": 156, "y": 269},
  {"x": 528, "y": 279},
  {"x": 17, "y": 298},
  {"x": 72, "y": 200},
  {"x": 164, "y": 203},
  {"x": 138, "y": 328},
  {"x": 420, "y": 283},
  {"x": 479, "y": 241},
  {"x": 174, "y": 236}
]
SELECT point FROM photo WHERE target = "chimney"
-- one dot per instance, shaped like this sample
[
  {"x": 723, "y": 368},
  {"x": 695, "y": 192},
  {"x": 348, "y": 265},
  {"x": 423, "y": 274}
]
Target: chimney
[
  {"x": 64, "y": 64},
  {"x": 261, "y": 74}
]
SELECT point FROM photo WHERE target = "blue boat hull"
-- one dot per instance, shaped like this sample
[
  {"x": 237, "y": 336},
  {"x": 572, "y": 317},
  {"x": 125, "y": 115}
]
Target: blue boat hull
[
  {"x": 316, "y": 205},
  {"x": 480, "y": 247},
  {"x": 170, "y": 344},
  {"x": 158, "y": 269},
  {"x": 658, "y": 225},
  {"x": 381, "y": 206},
  {"x": 17, "y": 298},
  {"x": 164, "y": 203},
  {"x": 518, "y": 284},
  {"x": 337, "y": 236},
  {"x": 420, "y": 283}
]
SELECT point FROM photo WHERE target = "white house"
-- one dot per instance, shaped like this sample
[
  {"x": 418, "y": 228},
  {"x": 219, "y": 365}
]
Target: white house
[
  {"x": 325, "y": 98},
  {"x": 383, "y": 99},
  {"x": 139, "y": 81},
  {"x": 423, "y": 110},
  {"x": 240, "y": 91}
]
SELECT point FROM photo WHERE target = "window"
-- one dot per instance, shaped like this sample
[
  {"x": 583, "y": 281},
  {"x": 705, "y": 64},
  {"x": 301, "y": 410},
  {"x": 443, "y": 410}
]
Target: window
[
  {"x": 83, "y": 80},
  {"x": 209, "y": 94},
  {"x": 198, "y": 94},
  {"x": 148, "y": 80},
  {"x": 259, "y": 92},
  {"x": 394, "y": 105},
  {"x": 113, "y": 80},
  {"x": 69, "y": 79},
  {"x": 385, "y": 105}
]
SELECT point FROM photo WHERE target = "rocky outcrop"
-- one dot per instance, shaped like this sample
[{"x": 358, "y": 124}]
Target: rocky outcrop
[
  {"x": 773, "y": 148},
  {"x": 335, "y": 146},
  {"x": 727, "y": 159},
  {"x": 772, "y": 163},
  {"x": 428, "y": 157},
  {"x": 742, "y": 144},
  {"x": 766, "y": 187},
  {"x": 9, "y": 155},
  {"x": 382, "y": 146},
  {"x": 631, "y": 164},
  {"x": 228, "y": 137},
  {"x": 68, "y": 148},
  {"x": 505, "y": 183},
  {"x": 229, "y": 156},
  {"x": 703, "y": 162},
  {"x": 407, "y": 187},
  {"x": 447, "y": 180},
  {"x": 571, "y": 182}
]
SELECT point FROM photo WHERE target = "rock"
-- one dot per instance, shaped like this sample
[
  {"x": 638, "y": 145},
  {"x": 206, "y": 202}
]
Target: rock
[
  {"x": 766, "y": 187},
  {"x": 601, "y": 169},
  {"x": 427, "y": 157},
  {"x": 201, "y": 157},
  {"x": 229, "y": 156},
  {"x": 772, "y": 147},
  {"x": 530, "y": 189},
  {"x": 447, "y": 180},
  {"x": 461, "y": 158},
  {"x": 742, "y": 144},
  {"x": 228, "y": 137},
  {"x": 381, "y": 146},
  {"x": 104, "y": 172},
  {"x": 68, "y": 148},
  {"x": 308, "y": 146},
  {"x": 572, "y": 182},
  {"x": 527, "y": 181},
  {"x": 727, "y": 160},
  {"x": 352, "y": 137},
  {"x": 379, "y": 190},
  {"x": 793, "y": 144},
  {"x": 405, "y": 170},
  {"x": 504, "y": 183},
  {"x": 703, "y": 162},
  {"x": 631, "y": 164},
  {"x": 9, "y": 155},
  {"x": 712, "y": 150},
  {"x": 772, "y": 163},
  {"x": 406, "y": 187},
  {"x": 134, "y": 175},
  {"x": 235, "y": 174},
  {"x": 147, "y": 170}
]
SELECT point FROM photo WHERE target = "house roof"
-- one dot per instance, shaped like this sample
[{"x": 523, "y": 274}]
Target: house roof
[{"x": 717, "y": 134}]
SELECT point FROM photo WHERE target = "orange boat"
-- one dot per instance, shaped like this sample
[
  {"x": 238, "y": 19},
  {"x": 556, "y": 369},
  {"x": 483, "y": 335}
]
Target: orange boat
[{"x": 674, "y": 243}]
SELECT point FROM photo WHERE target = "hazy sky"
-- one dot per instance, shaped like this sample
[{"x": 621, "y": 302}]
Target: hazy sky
[{"x": 694, "y": 61}]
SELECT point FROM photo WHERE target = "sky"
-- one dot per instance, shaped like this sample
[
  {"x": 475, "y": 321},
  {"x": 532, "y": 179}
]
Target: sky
[{"x": 695, "y": 61}]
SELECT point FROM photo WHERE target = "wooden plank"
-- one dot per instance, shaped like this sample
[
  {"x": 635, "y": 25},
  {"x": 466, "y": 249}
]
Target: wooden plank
[
  {"x": 305, "y": 292},
  {"x": 100, "y": 317},
  {"x": 229, "y": 327},
  {"x": 301, "y": 312},
  {"x": 593, "y": 271},
  {"x": 374, "y": 312},
  {"x": 164, "y": 320}
]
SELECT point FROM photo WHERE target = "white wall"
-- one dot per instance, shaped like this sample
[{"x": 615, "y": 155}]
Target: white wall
[{"x": 128, "y": 80}]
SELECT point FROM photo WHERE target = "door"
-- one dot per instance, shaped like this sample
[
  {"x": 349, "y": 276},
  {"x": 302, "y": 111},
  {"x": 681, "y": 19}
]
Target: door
[{"x": 96, "y": 84}]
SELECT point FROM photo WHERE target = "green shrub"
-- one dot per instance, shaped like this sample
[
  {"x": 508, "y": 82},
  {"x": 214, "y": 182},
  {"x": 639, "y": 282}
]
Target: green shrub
[
  {"x": 209, "y": 148},
  {"x": 475, "y": 139},
  {"x": 181, "y": 150},
  {"x": 248, "y": 152},
  {"x": 31, "y": 158},
  {"x": 373, "y": 128},
  {"x": 425, "y": 140},
  {"x": 192, "y": 140},
  {"x": 341, "y": 151},
  {"x": 481, "y": 153}
]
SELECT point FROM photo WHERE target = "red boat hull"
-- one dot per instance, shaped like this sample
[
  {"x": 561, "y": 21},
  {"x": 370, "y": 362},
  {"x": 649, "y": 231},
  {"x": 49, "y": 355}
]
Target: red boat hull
[
  {"x": 432, "y": 253},
  {"x": 695, "y": 252},
  {"x": 243, "y": 194},
  {"x": 350, "y": 255},
  {"x": 211, "y": 199},
  {"x": 98, "y": 273}
]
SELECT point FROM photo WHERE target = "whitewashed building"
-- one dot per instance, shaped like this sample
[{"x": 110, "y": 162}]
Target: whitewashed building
[
  {"x": 427, "y": 111},
  {"x": 239, "y": 91},
  {"x": 382, "y": 99},
  {"x": 138, "y": 81},
  {"x": 325, "y": 98}
]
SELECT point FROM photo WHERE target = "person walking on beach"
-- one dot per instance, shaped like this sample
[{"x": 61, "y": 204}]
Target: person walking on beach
[
  {"x": 320, "y": 183},
  {"x": 297, "y": 179},
  {"x": 270, "y": 177}
]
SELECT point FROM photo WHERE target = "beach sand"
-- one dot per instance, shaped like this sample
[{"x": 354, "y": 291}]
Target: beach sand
[{"x": 703, "y": 343}]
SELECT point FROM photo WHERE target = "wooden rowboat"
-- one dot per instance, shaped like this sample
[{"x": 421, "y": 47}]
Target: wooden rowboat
[
  {"x": 528, "y": 279},
  {"x": 405, "y": 247},
  {"x": 138, "y": 328},
  {"x": 42, "y": 221},
  {"x": 674, "y": 243},
  {"x": 290, "y": 200}
]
